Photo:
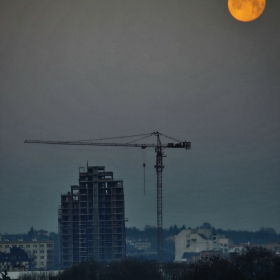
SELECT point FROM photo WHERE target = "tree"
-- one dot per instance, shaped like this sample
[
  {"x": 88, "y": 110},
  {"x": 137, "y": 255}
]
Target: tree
[
  {"x": 89, "y": 270},
  {"x": 206, "y": 226},
  {"x": 5, "y": 275},
  {"x": 175, "y": 229},
  {"x": 276, "y": 267},
  {"x": 257, "y": 263},
  {"x": 175, "y": 271},
  {"x": 132, "y": 269},
  {"x": 31, "y": 233},
  {"x": 214, "y": 268},
  {"x": 171, "y": 229}
]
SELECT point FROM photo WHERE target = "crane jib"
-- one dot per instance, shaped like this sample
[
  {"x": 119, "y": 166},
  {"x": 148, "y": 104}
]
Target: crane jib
[{"x": 186, "y": 145}]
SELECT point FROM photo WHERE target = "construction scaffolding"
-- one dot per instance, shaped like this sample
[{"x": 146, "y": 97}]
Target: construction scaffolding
[{"x": 91, "y": 218}]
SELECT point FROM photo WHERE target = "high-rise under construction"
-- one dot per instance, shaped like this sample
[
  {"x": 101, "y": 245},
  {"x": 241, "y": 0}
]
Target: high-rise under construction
[{"x": 91, "y": 218}]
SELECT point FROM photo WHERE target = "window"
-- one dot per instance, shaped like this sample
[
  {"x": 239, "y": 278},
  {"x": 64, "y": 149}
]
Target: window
[
  {"x": 42, "y": 263},
  {"x": 42, "y": 245},
  {"x": 42, "y": 257},
  {"x": 35, "y": 257},
  {"x": 49, "y": 251},
  {"x": 42, "y": 251},
  {"x": 225, "y": 245},
  {"x": 7, "y": 246},
  {"x": 27, "y": 246},
  {"x": 21, "y": 246},
  {"x": 49, "y": 245},
  {"x": 34, "y": 245},
  {"x": 0, "y": 246},
  {"x": 34, "y": 251}
]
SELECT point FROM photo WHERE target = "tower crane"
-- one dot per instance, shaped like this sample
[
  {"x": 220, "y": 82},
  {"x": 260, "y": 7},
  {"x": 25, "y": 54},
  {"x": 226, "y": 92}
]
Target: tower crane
[{"x": 159, "y": 147}]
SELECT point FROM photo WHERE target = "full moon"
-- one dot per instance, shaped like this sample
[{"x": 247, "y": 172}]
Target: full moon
[{"x": 246, "y": 10}]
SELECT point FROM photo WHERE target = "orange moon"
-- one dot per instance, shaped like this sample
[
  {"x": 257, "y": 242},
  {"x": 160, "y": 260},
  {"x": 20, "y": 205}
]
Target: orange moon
[{"x": 246, "y": 10}]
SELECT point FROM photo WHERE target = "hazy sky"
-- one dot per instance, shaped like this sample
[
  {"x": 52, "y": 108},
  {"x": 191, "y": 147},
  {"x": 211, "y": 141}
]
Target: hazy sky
[{"x": 74, "y": 70}]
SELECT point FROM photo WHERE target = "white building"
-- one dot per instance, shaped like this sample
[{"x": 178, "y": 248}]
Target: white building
[
  {"x": 40, "y": 252},
  {"x": 139, "y": 244},
  {"x": 199, "y": 240}
]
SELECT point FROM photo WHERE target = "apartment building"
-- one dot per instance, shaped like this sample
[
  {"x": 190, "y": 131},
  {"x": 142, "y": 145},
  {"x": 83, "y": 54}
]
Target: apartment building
[
  {"x": 40, "y": 253},
  {"x": 91, "y": 218},
  {"x": 199, "y": 240}
]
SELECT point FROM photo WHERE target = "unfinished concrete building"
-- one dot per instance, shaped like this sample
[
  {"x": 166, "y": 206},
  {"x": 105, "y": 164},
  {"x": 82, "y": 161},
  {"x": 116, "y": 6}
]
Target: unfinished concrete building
[{"x": 91, "y": 218}]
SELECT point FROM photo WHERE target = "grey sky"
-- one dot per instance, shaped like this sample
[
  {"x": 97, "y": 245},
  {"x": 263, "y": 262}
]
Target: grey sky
[{"x": 75, "y": 70}]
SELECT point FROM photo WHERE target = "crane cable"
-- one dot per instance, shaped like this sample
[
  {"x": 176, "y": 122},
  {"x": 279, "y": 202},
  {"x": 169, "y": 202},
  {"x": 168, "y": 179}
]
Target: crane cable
[
  {"x": 138, "y": 139},
  {"x": 116, "y": 137},
  {"x": 171, "y": 138}
]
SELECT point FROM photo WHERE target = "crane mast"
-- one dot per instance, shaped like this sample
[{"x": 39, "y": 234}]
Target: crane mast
[
  {"x": 159, "y": 147},
  {"x": 159, "y": 167}
]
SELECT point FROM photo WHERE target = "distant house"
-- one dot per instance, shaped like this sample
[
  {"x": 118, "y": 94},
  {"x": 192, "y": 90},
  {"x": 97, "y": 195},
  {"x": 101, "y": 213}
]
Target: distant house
[
  {"x": 198, "y": 241},
  {"x": 41, "y": 232},
  {"x": 193, "y": 257},
  {"x": 273, "y": 246},
  {"x": 237, "y": 248},
  {"x": 139, "y": 244},
  {"x": 190, "y": 257},
  {"x": 140, "y": 248},
  {"x": 170, "y": 238}
]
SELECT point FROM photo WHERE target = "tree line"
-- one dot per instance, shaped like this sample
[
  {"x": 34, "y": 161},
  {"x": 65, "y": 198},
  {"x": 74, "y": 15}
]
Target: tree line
[
  {"x": 255, "y": 263},
  {"x": 262, "y": 236}
]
